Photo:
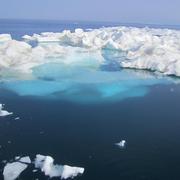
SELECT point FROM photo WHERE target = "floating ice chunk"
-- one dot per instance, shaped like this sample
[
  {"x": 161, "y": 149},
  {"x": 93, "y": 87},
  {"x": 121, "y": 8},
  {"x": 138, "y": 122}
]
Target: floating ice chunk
[
  {"x": 13, "y": 170},
  {"x": 5, "y": 37},
  {"x": 121, "y": 144},
  {"x": 4, "y": 112},
  {"x": 46, "y": 164},
  {"x": 71, "y": 172},
  {"x": 17, "y": 118}
]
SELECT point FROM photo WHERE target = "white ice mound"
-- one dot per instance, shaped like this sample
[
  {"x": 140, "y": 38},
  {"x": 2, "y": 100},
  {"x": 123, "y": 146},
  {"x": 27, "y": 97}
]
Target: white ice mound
[
  {"x": 13, "y": 170},
  {"x": 4, "y": 112},
  {"x": 46, "y": 164},
  {"x": 121, "y": 144},
  {"x": 141, "y": 48},
  {"x": 144, "y": 48},
  {"x": 21, "y": 57},
  {"x": 5, "y": 37}
]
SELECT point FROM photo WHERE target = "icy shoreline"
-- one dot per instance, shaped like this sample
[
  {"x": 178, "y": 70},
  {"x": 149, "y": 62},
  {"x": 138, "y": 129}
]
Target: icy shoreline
[{"x": 139, "y": 48}]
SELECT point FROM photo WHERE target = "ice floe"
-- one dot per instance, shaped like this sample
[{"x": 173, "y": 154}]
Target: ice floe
[
  {"x": 13, "y": 170},
  {"x": 46, "y": 164},
  {"x": 4, "y": 112}
]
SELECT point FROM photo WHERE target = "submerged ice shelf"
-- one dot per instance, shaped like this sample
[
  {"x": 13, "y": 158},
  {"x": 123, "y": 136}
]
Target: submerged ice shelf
[{"x": 83, "y": 85}]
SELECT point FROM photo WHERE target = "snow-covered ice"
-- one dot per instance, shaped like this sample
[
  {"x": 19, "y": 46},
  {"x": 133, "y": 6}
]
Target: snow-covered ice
[
  {"x": 141, "y": 48},
  {"x": 13, "y": 170},
  {"x": 71, "y": 172},
  {"x": 144, "y": 48},
  {"x": 4, "y": 112},
  {"x": 5, "y": 37},
  {"x": 46, "y": 164}
]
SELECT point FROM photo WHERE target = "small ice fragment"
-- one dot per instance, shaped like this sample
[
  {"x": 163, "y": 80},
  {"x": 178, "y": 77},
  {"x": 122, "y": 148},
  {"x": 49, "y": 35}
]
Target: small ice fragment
[
  {"x": 17, "y": 118},
  {"x": 35, "y": 170},
  {"x": 4, "y": 112},
  {"x": 121, "y": 144},
  {"x": 17, "y": 158},
  {"x": 27, "y": 38}
]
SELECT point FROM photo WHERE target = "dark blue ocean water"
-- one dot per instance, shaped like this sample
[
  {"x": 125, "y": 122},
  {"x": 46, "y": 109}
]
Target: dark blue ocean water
[{"x": 80, "y": 124}]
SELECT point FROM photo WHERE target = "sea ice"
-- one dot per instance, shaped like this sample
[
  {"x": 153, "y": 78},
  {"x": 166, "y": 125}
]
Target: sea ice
[
  {"x": 4, "y": 112},
  {"x": 13, "y": 170},
  {"x": 25, "y": 160},
  {"x": 143, "y": 48},
  {"x": 72, "y": 65},
  {"x": 46, "y": 164},
  {"x": 5, "y": 37}
]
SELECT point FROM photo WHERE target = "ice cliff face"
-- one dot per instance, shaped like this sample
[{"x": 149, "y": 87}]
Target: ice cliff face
[{"x": 141, "y": 48}]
